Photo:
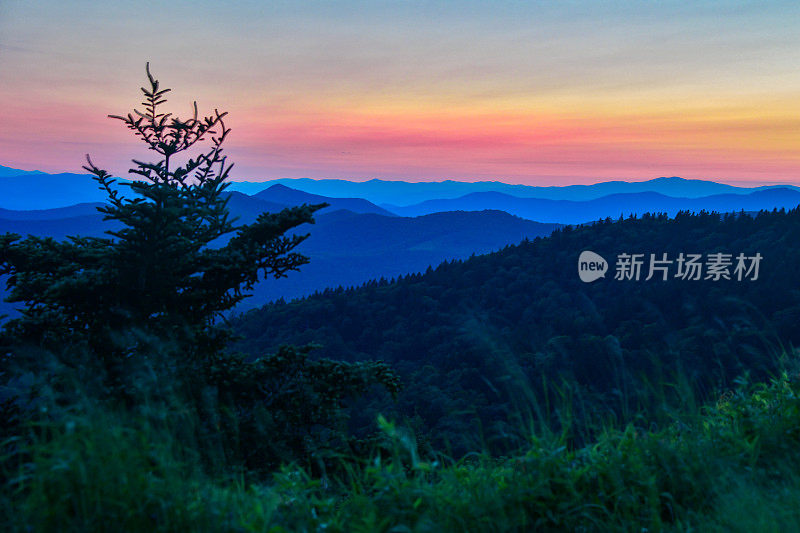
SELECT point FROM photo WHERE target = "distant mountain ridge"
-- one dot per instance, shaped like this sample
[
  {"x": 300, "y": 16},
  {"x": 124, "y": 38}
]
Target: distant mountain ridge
[
  {"x": 38, "y": 190},
  {"x": 26, "y": 190},
  {"x": 51, "y": 214},
  {"x": 391, "y": 194},
  {"x": 8, "y": 171},
  {"x": 283, "y": 195},
  {"x": 613, "y": 205}
]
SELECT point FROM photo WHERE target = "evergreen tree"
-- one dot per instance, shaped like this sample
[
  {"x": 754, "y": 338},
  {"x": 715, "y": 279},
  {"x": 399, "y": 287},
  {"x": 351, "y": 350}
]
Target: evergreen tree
[
  {"x": 166, "y": 270},
  {"x": 150, "y": 297}
]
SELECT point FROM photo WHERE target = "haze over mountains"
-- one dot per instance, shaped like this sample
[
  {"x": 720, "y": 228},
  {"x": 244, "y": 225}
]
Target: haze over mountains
[
  {"x": 37, "y": 190},
  {"x": 284, "y": 195},
  {"x": 8, "y": 172},
  {"x": 613, "y": 205},
  {"x": 61, "y": 190},
  {"x": 415, "y": 226},
  {"x": 389, "y": 194}
]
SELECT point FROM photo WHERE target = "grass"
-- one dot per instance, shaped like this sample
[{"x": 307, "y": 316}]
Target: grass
[{"x": 729, "y": 467}]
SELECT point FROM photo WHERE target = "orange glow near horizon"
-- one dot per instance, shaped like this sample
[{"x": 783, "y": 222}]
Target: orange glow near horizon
[
  {"x": 462, "y": 142},
  {"x": 725, "y": 144}
]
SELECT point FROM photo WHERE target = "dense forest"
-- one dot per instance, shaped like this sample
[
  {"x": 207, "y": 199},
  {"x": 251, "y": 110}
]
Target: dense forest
[
  {"x": 498, "y": 393},
  {"x": 470, "y": 339}
]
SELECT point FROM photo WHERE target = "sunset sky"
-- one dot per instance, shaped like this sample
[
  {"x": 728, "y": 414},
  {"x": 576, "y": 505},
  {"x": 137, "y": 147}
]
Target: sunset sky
[{"x": 536, "y": 92}]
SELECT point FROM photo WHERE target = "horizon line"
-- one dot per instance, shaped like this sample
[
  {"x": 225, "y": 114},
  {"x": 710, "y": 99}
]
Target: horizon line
[{"x": 734, "y": 182}]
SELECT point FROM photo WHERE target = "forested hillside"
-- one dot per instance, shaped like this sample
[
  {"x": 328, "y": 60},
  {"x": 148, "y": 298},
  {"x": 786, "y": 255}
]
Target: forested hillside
[{"x": 478, "y": 340}]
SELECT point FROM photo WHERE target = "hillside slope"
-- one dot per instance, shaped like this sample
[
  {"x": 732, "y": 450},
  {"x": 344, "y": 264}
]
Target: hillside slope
[
  {"x": 474, "y": 340},
  {"x": 348, "y": 249}
]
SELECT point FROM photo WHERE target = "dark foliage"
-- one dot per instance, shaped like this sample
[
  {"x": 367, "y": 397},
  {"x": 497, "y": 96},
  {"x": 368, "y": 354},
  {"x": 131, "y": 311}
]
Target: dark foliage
[{"x": 285, "y": 407}]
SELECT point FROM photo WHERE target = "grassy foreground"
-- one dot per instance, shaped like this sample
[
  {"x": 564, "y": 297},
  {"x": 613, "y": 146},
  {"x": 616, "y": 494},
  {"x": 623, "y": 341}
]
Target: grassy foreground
[{"x": 730, "y": 466}]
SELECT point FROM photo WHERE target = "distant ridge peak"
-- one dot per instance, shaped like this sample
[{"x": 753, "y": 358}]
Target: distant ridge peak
[{"x": 280, "y": 187}]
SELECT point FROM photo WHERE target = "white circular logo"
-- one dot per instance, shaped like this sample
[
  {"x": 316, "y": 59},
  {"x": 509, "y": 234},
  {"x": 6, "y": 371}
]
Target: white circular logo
[{"x": 591, "y": 266}]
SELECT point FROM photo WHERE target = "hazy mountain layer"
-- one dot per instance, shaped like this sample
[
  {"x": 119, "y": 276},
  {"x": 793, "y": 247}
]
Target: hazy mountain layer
[
  {"x": 614, "y": 205},
  {"x": 400, "y": 193},
  {"x": 36, "y": 190},
  {"x": 280, "y": 194},
  {"x": 346, "y": 248}
]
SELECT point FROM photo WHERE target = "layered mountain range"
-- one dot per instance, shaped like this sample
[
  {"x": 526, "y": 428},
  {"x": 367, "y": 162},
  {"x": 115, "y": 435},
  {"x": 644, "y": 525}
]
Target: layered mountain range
[{"x": 386, "y": 229}]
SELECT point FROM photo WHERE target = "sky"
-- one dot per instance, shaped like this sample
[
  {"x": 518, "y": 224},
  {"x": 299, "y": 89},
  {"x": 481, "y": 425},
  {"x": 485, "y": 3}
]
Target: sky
[{"x": 535, "y": 92}]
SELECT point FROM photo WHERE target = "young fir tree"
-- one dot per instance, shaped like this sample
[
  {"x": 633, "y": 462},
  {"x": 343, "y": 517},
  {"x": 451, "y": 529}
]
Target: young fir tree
[
  {"x": 160, "y": 269},
  {"x": 157, "y": 287}
]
